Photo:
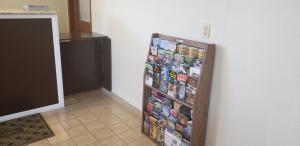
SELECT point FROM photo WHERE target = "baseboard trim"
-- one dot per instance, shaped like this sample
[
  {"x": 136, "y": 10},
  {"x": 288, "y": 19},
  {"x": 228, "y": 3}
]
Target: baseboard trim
[
  {"x": 121, "y": 101},
  {"x": 31, "y": 112}
]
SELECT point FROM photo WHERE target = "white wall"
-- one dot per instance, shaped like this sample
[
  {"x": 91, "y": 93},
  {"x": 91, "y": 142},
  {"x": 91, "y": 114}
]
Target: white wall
[
  {"x": 256, "y": 87},
  {"x": 60, "y": 6}
]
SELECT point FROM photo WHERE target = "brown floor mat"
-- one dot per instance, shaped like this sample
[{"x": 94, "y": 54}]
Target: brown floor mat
[{"x": 25, "y": 130}]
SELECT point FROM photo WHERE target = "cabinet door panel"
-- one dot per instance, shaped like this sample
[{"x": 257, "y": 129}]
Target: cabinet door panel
[
  {"x": 27, "y": 65},
  {"x": 79, "y": 66}
]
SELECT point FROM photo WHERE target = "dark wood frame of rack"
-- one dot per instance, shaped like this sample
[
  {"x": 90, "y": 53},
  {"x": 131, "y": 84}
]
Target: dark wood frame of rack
[{"x": 201, "y": 101}]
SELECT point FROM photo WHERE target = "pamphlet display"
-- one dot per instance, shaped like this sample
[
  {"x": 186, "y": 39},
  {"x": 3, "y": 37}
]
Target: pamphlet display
[{"x": 177, "y": 80}]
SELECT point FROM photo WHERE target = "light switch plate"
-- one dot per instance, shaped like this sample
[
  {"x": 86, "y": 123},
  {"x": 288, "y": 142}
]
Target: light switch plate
[{"x": 205, "y": 30}]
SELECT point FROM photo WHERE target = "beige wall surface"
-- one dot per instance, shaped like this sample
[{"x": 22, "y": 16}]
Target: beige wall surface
[
  {"x": 60, "y": 6},
  {"x": 255, "y": 97}
]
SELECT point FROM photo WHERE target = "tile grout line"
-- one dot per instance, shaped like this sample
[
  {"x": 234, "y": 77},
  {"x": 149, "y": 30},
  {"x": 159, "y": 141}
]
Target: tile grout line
[{"x": 136, "y": 114}]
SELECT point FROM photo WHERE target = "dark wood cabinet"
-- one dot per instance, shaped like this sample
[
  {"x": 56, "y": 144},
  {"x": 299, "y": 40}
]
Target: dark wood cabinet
[
  {"x": 29, "y": 78},
  {"x": 86, "y": 62}
]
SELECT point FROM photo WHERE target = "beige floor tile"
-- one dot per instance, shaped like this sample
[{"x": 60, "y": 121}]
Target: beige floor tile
[
  {"x": 67, "y": 124},
  {"x": 96, "y": 144},
  {"x": 103, "y": 133},
  {"x": 95, "y": 108},
  {"x": 91, "y": 102},
  {"x": 104, "y": 96},
  {"x": 94, "y": 125},
  {"x": 133, "y": 123},
  {"x": 142, "y": 142},
  {"x": 103, "y": 113},
  {"x": 118, "y": 109},
  {"x": 109, "y": 120},
  {"x": 56, "y": 127},
  {"x": 99, "y": 92},
  {"x": 79, "y": 112},
  {"x": 47, "y": 114},
  {"x": 91, "y": 117},
  {"x": 113, "y": 141},
  {"x": 59, "y": 137},
  {"x": 74, "y": 108},
  {"x": 138, "y": 129},
  {"x": 56, "y": 111},
  {"x": 110, "y": 105},
  {"x": 66, "y": 143},
  {"x": 87, "y": 100},
  {"x": 85, "y": 140},
  {"x": 50, "y": 119},
  {"x": 119, "y": 128},
  {"x": 130, "y": 136},
  {"x": 108, "y": 102},
  {"x": 77, "y": 131},
  {"x": 86, "y": 118},
  {"x": 126, "y": 116},
  {"x": 70, "y": 101},
  {"x": 60, "y": 110},
  {"x": 63, "y": 115},
  {"x": 41, "y": 143}
]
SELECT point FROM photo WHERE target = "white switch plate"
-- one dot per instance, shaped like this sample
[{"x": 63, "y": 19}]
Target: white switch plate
[{"x": 205, "y": 30}]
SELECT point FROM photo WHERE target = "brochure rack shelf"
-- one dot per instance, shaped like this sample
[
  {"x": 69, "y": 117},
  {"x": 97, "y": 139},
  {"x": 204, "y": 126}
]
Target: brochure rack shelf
[{"x": 176, "y": 90}]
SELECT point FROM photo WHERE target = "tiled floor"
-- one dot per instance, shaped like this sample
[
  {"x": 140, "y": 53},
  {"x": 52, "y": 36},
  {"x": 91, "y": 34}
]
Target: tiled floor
[{"x": 94, "y": 119}]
